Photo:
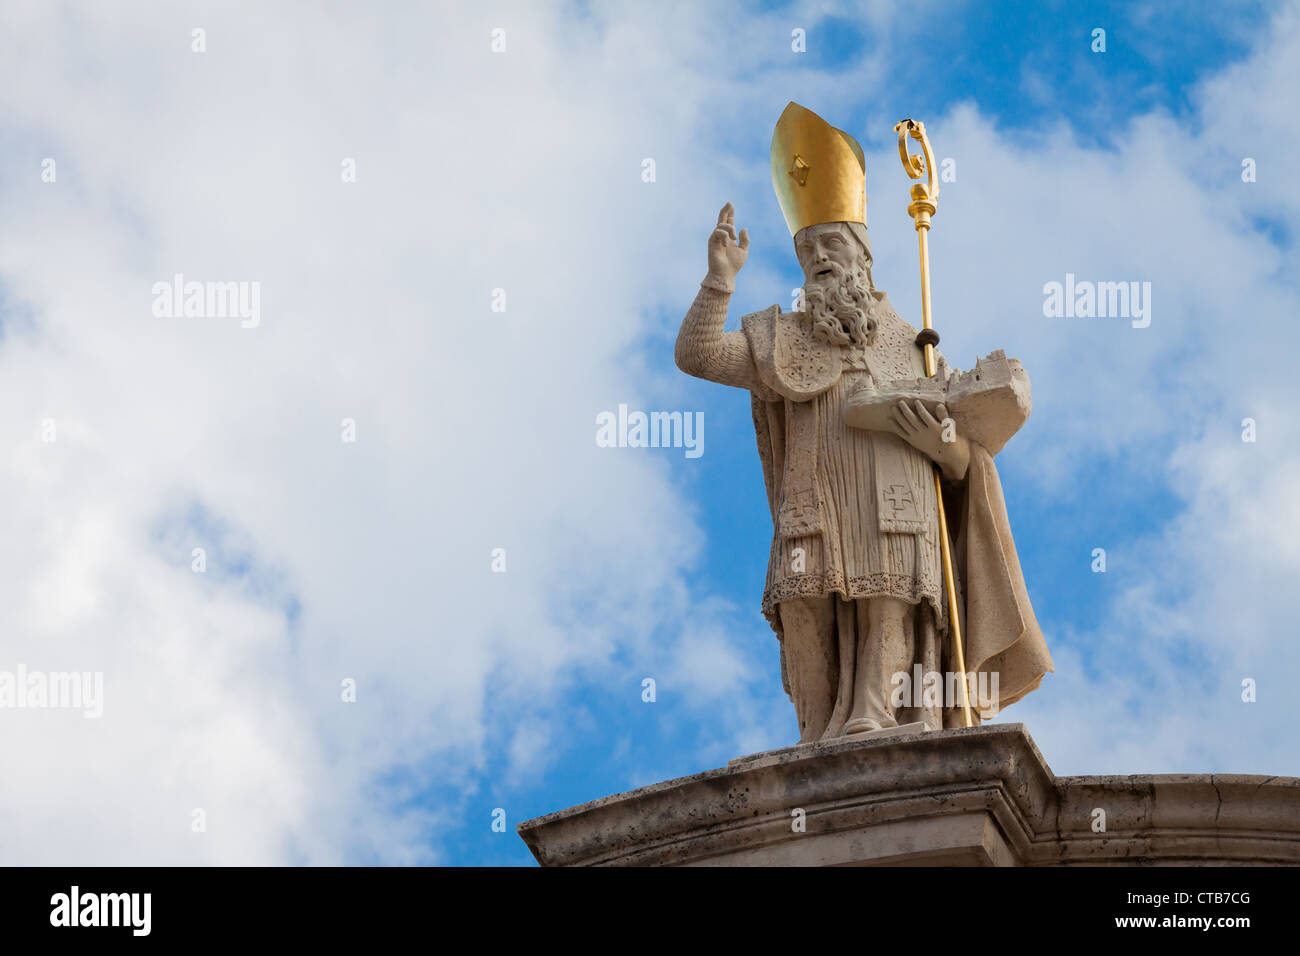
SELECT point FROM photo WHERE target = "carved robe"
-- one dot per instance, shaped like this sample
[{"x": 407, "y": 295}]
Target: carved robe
[{"x": 854, "y": 513}]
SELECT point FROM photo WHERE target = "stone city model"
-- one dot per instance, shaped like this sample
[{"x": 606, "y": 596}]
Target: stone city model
[{"x": 850, "y": 428}]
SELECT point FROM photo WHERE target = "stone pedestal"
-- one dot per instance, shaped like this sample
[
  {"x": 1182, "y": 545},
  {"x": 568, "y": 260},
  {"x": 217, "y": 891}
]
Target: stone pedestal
[{"x": 982, "y": 796}]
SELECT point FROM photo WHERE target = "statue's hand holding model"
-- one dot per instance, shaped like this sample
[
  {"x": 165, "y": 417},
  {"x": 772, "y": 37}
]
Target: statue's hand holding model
[{"x": 854, "y": 586}]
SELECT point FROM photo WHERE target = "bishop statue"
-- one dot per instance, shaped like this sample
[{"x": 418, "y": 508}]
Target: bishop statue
[{"x": 850, "y": 430}]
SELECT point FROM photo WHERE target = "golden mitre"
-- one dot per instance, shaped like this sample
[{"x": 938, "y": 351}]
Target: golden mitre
[{"x": 818, "y": 171}]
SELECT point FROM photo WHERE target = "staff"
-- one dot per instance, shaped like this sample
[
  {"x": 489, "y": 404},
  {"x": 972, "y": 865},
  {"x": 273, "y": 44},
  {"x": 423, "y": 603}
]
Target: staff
[{"x": 922, "y": 207}]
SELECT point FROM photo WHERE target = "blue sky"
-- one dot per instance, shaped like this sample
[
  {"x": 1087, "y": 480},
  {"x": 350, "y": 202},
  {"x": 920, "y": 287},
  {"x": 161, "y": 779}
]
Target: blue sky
[{"x": 521, "y": 171}]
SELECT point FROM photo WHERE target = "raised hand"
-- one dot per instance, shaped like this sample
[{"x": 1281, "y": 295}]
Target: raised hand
[{"x": 727, "y": 251}]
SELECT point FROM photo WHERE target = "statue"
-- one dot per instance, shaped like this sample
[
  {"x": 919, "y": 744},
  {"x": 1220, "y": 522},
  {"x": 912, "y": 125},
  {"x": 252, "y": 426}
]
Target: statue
[{"x": 854, "y": 411}]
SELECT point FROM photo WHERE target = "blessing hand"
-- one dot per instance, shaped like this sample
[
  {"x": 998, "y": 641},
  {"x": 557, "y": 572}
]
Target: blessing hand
[{"x": 727, "y": 250}]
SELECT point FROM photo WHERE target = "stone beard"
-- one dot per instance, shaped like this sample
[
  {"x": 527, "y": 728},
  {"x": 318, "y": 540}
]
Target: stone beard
[{"x": 839, "y": 308}]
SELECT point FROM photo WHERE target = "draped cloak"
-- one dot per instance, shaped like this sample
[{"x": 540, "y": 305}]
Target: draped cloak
[{"x": 1000, "y": 632}]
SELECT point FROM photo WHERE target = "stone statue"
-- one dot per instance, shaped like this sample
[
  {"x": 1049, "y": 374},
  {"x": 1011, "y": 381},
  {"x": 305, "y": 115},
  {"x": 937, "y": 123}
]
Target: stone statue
[{"x": 849, "y": 431}]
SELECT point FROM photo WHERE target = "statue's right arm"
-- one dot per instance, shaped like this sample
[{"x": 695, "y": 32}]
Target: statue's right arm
[{"x": 706, "y": 351}]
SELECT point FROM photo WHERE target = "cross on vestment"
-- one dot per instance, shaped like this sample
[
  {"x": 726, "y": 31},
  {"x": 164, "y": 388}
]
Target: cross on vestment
[{"x": 898, "y": 495}]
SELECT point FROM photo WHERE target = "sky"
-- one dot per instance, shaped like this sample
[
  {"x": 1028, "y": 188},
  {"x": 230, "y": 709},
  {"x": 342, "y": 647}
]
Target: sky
[{"x": 424, "y": 599}]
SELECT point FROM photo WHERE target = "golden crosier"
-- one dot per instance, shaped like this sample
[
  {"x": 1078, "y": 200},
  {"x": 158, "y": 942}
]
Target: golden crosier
[{"x": 922, "y": 207}]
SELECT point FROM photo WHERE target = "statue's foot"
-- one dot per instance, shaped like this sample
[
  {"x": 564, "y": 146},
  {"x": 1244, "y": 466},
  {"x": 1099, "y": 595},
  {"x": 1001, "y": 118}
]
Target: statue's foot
[
  {"x": 861, "y": 725},
  {"x": 865, "y": 725}
]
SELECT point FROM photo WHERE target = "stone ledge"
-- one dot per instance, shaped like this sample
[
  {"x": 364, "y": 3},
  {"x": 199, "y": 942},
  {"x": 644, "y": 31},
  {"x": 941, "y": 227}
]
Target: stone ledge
[{"x": 981, "y": 796}]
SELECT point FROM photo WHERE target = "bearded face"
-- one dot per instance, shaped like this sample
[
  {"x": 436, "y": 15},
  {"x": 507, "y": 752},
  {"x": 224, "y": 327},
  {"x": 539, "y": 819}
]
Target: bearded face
[{"x": 837, "y": 284}]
